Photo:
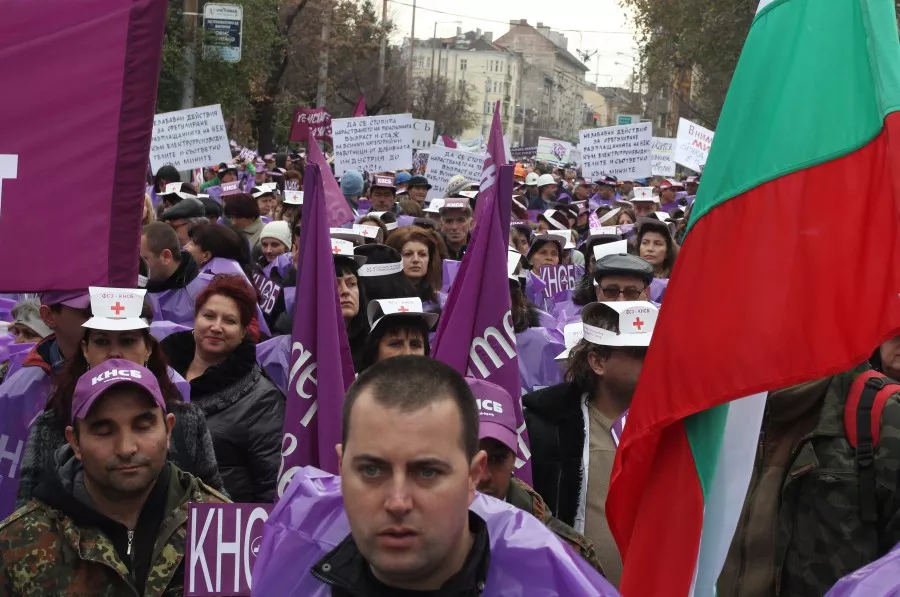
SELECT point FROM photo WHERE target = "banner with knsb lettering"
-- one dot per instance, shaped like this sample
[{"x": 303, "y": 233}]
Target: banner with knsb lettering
[{"x": 76, "y": 115}]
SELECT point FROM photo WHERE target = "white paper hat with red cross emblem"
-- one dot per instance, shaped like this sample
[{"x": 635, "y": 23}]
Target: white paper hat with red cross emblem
[
  {"x": 379, "y": 310},
  {"x": 636, "y": 322},
  {"x": 116, "y": 309}
]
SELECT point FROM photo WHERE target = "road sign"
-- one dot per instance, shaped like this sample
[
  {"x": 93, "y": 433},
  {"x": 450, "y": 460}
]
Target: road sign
[
  {"x": 622, "y": 119},
  {"x": 223, "y": 26}
]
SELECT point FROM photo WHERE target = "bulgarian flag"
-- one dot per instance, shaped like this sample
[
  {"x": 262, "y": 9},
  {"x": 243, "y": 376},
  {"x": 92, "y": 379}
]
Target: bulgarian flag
[{"x": 789, "y": 272}]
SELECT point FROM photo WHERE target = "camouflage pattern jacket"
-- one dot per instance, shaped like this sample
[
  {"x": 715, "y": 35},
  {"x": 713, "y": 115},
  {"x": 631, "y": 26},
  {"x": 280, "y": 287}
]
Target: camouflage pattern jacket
[
  {"x": 801, "y": 528},
  {"x": 525, "y": 498},
  {"x": 44, "y": 552}
]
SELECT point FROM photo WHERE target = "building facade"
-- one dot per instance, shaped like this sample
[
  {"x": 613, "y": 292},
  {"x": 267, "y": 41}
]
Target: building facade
[
  {"x": 491, "y": 72},
  {"x": 552, "y": 96}
]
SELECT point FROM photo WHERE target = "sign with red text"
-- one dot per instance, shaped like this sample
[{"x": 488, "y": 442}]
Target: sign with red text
[
  {"x": 311, "y": 121},
  {"x": 692, "y": 145},
  {"x": 222, "y": 544}
]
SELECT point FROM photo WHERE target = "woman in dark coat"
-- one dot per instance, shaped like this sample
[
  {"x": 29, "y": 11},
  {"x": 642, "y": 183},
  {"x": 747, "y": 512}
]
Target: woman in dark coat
[{"x": 243, "y": 408}]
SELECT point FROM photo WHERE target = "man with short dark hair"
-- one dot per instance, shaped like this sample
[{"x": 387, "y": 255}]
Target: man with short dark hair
[
  {"x": 585, "y": 415},
  {"x": 112, "y": 516},
  {"x": 169, "y": 266},
  {"x": 409, "y": 463},
  {"x": 382, "y": 194}
]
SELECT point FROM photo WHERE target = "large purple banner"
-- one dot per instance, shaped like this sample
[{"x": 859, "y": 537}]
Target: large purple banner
[
  {"x": 223, "y": 541},
  {"x": 79, "y": 91}
]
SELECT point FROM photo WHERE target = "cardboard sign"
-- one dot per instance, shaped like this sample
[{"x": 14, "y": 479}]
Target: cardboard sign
[
  {"x": 187, "y": 139},
  {"x": 620, "y": 151},
  {"x": 445, "y": 163},
  {"x": 423, "y": 134},
  {"x": 311, "y": 120},
  {"x": 268, "y": 290},
  {"x": 372, "y": 143},
  {"x": 559, "y": 278},
  {"x": 692, "y": 145},
  {"x": 662, "y": 160},
  {"x": 553, "y": 150},
  {"x": 223, "y": 541}
]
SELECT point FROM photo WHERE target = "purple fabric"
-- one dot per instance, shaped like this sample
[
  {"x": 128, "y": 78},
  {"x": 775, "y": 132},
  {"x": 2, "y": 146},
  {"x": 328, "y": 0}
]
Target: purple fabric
[
  {"x": 534, "y": 289},
  {"x": 22, "y": 397},
  {"x": 97, "y": 117},
  {"x": 405, "y": 221},
  {"x": 321, "y": 366},
  {"x": 618, "y": 427},
  {"x": 526, "y": 557},
  {"x": 658, "y": 289},
  {"x": 17, "y": 355},
  {"x": 496, "y": 157},
  {"x": 565, "y": 312},
  {"x": 8, "y": 350},
  {"x": 290, "y": 297},
  {"x": 180, "y": 383},
  {"x": 881, "y": 578},
  {"x": 274, "y": 357},
  {"x": 363, "y": 206},
  {"x": 160, "y": 329},
  {"x": 6, "y": 306},
  {"x": 450, "y": 269},
  {"x": 336, "y": 209},
  {"x": 669, "y": 206},
  {"x": 533, "y": 214},
  {"x": 249, "y": 183},
  {"x": 281, "y": 264},
  {"x": 477, "y": 319},
  {"x": 311, "y": 120},
  {"x": 537, "y": 348},
  {"x": 215, "y": 193}
]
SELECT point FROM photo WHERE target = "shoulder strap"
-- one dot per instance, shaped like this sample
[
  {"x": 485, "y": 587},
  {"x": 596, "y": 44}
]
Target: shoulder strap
[{"x": 862, "y": 422}]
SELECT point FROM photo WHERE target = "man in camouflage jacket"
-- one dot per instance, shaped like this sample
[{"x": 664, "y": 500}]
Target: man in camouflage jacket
[
  {"x": 111, "y": 519},
  {"x": 801, "y": 527}
]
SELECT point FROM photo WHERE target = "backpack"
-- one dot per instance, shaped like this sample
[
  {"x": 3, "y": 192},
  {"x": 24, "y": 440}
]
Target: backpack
[{"x": 868, "y": 395}]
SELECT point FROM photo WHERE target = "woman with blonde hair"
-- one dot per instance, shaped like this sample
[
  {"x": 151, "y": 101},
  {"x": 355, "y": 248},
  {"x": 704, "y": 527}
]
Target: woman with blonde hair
[{"x": 149, "y": 215}]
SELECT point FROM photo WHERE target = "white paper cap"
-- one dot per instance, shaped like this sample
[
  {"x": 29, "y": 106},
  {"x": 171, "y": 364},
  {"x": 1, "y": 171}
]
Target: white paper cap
[
  {"x": 116, "y": 309},
  {"x": 613, "y": 248}
]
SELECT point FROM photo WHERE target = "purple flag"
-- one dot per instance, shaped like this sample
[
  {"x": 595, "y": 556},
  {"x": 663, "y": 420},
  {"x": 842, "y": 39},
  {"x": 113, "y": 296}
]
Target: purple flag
[
  {"x": 222, "y": 544},
  {"x": 496, "y": 157},
  {"x": 360, "y": 109},
  {"x": 480, "y": 342},
  {"x": 336, "y": 210},
  {"x": 311, "y": 123},
  {"x": 881, "y": 578},
  {"x": 94, "y": 120},
  {"x": 321, "y": 366},
  {"x": 448, "y": 142},
  {"x": 526, "y": 557}
]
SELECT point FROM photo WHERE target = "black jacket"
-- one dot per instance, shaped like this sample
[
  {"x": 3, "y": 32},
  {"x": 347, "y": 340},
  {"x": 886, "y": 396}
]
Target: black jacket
[
  {"x": 183, "y": 276},
  {"x": 349, "y": 575},
  {"x": 556, "y": 430},
  {"x": 456, "y": 255},
  {"x": 244, "y": 412}
]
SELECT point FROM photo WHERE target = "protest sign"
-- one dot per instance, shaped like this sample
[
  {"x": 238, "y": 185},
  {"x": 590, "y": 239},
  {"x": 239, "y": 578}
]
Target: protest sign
[
  {"x": 621, "y": 151},
  {"x": 523, "y": 153},
  {"x": 372, "y": 143},
  {"x": 268, "y": 291},
  {"x": 223, "y": 541},
  {"x": 662, "y": 157},
  {"x": 423, "y": 133},
  {"x": 553, "y": 150},
  {"x": 311, "y": 120},
  {"x": 445, "y": 163},
  {"x": 692, "y": 145},
  {"x": 192, "y": 138},
  {"x": 560, "y": 278},
  {"x": 79, "y": 82}
]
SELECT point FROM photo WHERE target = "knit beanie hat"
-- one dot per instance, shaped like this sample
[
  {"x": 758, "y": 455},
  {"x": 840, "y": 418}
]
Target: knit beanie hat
[{"x": 279, "y": 230}]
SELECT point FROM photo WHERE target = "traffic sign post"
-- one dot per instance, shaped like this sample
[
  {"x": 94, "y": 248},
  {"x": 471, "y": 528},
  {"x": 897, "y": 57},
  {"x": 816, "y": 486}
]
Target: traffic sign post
[{"x": 223, "y": 27}]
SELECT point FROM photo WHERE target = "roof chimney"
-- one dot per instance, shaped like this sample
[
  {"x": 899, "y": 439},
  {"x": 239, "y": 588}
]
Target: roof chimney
[
  {"x": 477, "y": 33},
  {"x": 489, "y": 36},
  {"x": 458, "y": 31},
  {"x": 523, "y": 21}
]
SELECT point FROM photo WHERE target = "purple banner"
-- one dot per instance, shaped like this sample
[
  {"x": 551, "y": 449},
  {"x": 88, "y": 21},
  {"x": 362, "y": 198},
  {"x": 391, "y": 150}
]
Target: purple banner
[
  {"x": 96, "y": 118},
  {"x": 311, "y": 120},
  {"x": 337, "y": 210},
  {"x": 321, "y": 365},
  {"x": 223, "y": 541},
  {"x": 268, "y": 291},
  {"x": 560, "y": 279},
  {"x": 878, "y": 579}
]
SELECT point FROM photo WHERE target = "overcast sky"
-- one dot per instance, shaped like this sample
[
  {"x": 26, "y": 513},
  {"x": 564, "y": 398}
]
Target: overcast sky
[{"x": 593, "y": 25}]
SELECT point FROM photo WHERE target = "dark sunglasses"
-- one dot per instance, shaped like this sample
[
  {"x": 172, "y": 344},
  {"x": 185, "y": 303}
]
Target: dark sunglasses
[{"x": 630, "y": 293}]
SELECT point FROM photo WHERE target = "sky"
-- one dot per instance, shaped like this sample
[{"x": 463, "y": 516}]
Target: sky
[{"x": 600, "y": 26}]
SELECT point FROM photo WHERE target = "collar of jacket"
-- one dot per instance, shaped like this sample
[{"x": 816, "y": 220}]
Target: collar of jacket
[
  {"x": 346, "y": 569},
  {"x": 556, "y": 402},
  {"x": 255, "y": 227},
  {"x": 41, "y": 354},
  {"x": 184, "y": 275},
  {"x": 527, "y": 499}
]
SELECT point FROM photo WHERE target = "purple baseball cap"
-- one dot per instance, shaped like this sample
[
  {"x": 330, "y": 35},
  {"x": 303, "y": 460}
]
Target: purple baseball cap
[
  {"x": 76, "y": 299},
  {"x": 96, "y": 381},
  {"x": 496, "y": 417}
]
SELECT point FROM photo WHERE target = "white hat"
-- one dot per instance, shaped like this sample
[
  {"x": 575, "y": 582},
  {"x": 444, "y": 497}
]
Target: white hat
[
  {"x": 344, "y": 248},
  {"x": 610, "y": 215},
  {"x": 548, "y": 215},
  {"x": 637, "y": 319},
  {"x": 567, "y": 235},
  {"x": 260, "y": 190},
  {"x": 378, "y": 310},
  {"x": 435, "y": 206},
  {"x": 388, "y": 225},
  {"x": 613, "y": 248},
  {"x": 662, "y": 216},
  {"x": 531, "y": 180},
  {"x": 293, "y": 198},
  {"x": 545, "y": 180},
  {"x": 572, "y": 333},
  {"x": 348, "y": 234},
  {"x": 468, "y": 194},
  {"x": 116, "y": 309},
  {"x": 174, "y": 188},
  {"x": 645, "y": 194},
  {"x": 369, "y": 233},
  {"x": 513, "y": 259},
  {"x": 280, "y": 231}
]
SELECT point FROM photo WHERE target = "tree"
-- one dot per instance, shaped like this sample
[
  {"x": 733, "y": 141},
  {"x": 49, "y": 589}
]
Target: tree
[{"x": 449, "y": 106}]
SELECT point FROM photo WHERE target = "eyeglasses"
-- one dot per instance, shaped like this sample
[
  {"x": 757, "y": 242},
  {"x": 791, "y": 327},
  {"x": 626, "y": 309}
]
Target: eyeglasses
[{"x": 613, "y": 292}]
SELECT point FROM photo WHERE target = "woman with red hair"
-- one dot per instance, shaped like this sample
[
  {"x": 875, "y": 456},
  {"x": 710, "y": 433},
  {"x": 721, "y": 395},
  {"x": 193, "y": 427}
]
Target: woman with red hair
[
  {"x": 244, "y": 409},
  {"x": 423, "y": 254}
]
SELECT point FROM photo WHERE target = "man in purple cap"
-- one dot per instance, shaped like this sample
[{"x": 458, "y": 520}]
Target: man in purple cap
[
  {"x": 382, "y": 194},
  {"x": 112, "y": 518},
  {"x": 63, "y": 312},
  {"x": 497, "y": 437}
]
